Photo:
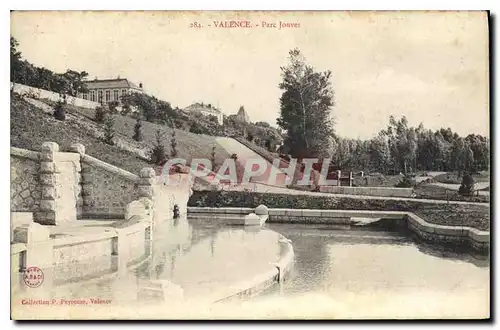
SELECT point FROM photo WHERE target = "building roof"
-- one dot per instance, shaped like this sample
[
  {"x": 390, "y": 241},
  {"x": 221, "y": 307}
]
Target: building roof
[
  {"x": 111, "y": 83},
  {"x": 197, "y": 107},
  {"x": 242, "y": 115}
]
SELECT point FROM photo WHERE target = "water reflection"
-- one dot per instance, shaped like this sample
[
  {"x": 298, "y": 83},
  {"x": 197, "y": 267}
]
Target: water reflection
[
  {"x": 360, "y": 264},
  {"x": 202, "y": 257}
]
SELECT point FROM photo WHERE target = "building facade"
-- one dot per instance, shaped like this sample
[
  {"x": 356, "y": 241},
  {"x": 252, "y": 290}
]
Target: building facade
[
  {"x": 109, "y": 90},
  {"x": 206, "y": 110}
]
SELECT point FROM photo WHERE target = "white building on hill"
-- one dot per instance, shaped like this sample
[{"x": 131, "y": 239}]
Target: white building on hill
[
  {"x": 206, "y": 110},
  {"x": 108, "y": 90}
]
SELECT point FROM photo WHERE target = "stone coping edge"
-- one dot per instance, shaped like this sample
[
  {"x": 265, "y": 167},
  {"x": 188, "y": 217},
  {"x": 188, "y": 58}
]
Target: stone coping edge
[
  {"x": 16, "y": 248},
  {"x": 264, "y": 280},
  {"x": 109, "y": 233},
  {"x": 468, "y": 233},
  {"x": 109, "y": 168},
  {"x": 25, "y": 153},
  {"x": 221, "y": 210}
]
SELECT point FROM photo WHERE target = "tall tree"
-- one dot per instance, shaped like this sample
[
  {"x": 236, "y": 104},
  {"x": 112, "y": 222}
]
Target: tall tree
[
  {"x": 76, "y": 82},
  {"x": 305, "y": 104},
  {"x": 109, "y": 130},
  {"x": 138, "y": 130},
  {"x": 15, "y": 61},
  {"x": 380, "y": 154},
  {"x": 173, "y": 141}
]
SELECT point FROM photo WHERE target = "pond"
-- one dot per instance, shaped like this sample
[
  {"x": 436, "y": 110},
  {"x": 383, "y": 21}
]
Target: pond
[
  {"x": 337, "y": 273},
  {"x": 379, "y": 274}
]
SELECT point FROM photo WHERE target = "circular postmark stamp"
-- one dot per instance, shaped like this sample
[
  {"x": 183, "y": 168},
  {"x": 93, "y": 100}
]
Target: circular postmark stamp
[{"x": 33, "y": 277}]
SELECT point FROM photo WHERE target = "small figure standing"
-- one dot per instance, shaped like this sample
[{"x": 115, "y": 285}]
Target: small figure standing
[{"x": 176, "y": 211}]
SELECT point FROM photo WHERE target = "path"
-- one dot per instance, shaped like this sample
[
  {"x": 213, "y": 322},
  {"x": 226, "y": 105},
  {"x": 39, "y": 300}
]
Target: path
[
  {"x": 279, "y": 190},
  {"x": 244, "y": 154}
]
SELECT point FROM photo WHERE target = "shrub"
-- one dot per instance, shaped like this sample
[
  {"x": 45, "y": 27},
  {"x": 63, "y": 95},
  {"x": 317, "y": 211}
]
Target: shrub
[
  {"x": 113, "y": 107},
  {"x": 158, "y": 154},
  {"x": 138, "y": 130},
  {"x": 196, "y": 128},
  {"x": 109, "y": 130},
  {"x": 173, "y": 143},
  {"x": 126, "y": 109},
  {"x": 212, "y": 158},
  {"x": 406, "y": 182},
  {"x": 100, "y": 114},
  {"x": 467, "y": 186},
  {"x": 60, "y": 111}
]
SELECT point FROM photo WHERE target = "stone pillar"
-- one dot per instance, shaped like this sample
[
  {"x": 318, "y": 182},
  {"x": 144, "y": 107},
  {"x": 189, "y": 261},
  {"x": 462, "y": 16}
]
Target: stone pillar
[
  {"x": 80, "y": 149},
  {"x": 146, "y": 182},
  {"x": 47, "y": 214},
  {"x": 38, "y": 258},
  {"x": 350, "y": 179},
  {"x": 339, "y": 173},
  {"x": 59, "y": 180},
  {"x": 120, "y": 251}
]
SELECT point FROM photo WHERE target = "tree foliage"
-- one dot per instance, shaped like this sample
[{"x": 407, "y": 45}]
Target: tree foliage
[
  {"x": 400, "y": 146},
  {"x": 60, "y": 111},
  {"x": 138, "y": 130},
  {"x": 467, "y": 186},
  {"x": 109, "y": 130},
  {"x": 173, "y": 142},
  {"x": 71, "y": 82},
  {"x": 305, "y": 107},
  {"x": 158, "y": 154},
  {"x": 100, "y": 114}
]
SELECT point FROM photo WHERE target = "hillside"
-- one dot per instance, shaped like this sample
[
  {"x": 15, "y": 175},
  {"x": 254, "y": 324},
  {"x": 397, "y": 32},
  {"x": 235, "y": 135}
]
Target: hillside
[{"x": 31, "y": 126}]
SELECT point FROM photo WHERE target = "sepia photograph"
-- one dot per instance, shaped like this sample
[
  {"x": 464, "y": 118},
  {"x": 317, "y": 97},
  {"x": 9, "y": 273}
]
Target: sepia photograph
[{"x": 250, "y": 165}]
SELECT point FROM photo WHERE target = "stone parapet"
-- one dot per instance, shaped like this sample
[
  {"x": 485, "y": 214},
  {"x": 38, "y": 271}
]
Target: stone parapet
[{"x": 439, "y": 234}]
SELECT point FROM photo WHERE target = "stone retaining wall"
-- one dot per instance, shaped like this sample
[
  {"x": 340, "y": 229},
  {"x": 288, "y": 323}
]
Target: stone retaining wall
[
  {"x": 25, "y": 190},
  {"x": 45, "y": 94},
  {"x": 106, "y": 189},
  {"x": 60, "y": 187},
  {"x": 474, "y": 238}
]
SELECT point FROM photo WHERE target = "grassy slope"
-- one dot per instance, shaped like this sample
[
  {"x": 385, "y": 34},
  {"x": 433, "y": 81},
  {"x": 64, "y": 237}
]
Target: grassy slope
[
  {"x": 189, "y": 145},
  {"x": 451, "y": 177},
  {"x": 30, "y": 127},
  {"x": 429, "y": 191}
]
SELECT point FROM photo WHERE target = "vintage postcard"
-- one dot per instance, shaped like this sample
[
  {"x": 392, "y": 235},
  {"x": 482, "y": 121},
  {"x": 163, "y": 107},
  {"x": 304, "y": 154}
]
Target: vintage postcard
[{"x": 250, "y": 165}]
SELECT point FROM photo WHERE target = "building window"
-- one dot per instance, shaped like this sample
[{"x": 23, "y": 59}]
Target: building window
[
  {"x": 124, "y": 92},
  {"x": 108, "y": 95},
  {"x": 99, "y": 96},
  {"x": 116, "y": 95},
  {"x": 92, "y": 96}
]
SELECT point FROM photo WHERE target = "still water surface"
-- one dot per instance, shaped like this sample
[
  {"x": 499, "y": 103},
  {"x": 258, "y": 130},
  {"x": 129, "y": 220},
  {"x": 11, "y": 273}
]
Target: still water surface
[
  {"x": 368, "y": 273},
  {"x": 337, "y": 273}
]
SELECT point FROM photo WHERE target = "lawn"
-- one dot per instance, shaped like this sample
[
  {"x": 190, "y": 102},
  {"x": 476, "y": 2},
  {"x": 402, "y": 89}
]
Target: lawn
[
  {"x": 30, "y": 127},
  {"x": 429, "y": 191},
  {"x": 451, "y": 177},
  {"x": 189, "y": 145}
]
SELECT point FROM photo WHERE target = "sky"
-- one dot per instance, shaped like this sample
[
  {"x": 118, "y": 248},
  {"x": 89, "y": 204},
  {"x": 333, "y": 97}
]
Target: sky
[{"x": 431, "y": 67}]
